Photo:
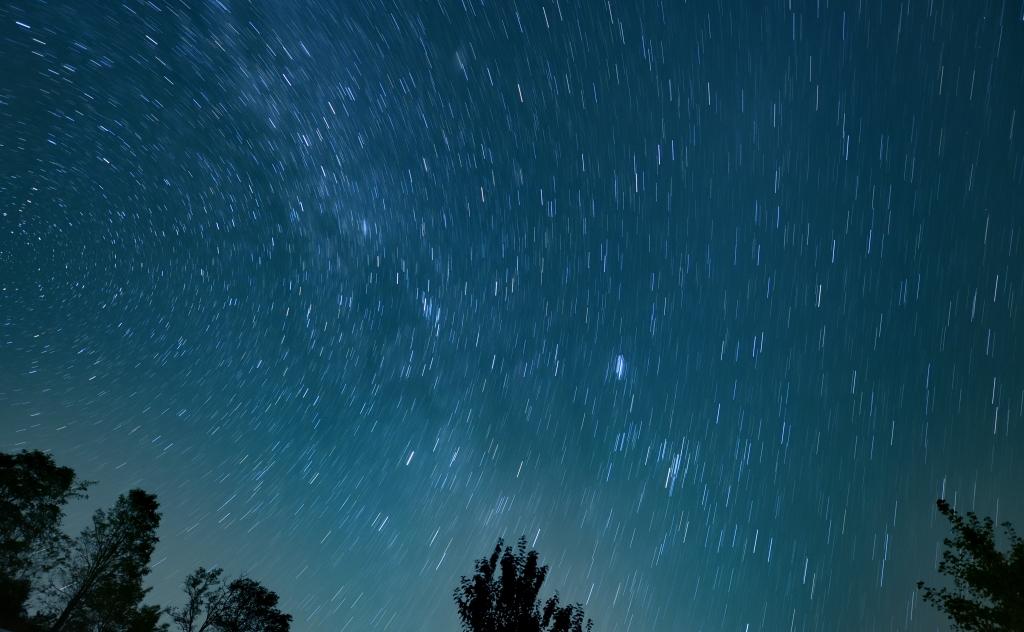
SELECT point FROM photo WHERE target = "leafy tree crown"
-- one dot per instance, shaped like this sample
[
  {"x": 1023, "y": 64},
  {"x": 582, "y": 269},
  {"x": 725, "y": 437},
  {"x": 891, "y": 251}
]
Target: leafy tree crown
[
  {"x": 988, "y": 585},
  {"x": 510, "y": 602}
]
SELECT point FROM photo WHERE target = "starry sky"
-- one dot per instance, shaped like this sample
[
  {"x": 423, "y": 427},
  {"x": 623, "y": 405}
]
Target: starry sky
[{"x": 710, "y": 301}]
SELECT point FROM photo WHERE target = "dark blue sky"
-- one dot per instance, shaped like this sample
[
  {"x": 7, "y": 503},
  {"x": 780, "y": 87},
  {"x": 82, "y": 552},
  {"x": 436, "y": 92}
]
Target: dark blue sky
[{"x": 709, "y": 300}]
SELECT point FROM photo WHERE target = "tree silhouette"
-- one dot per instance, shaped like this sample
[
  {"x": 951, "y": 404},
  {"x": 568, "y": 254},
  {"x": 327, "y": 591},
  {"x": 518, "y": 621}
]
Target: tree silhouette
[
  {"x": 249, "y": 607},
  {"x": 205, "y": 599},
  {"x": 989, "y": 585},
  {"x": 244, "y": 605},
  {"x": 33, "y": 492},
  {"x": 511, "y": 603},
  {"x": 94, "y": 582},
  {"x": 97, "y": 584}
]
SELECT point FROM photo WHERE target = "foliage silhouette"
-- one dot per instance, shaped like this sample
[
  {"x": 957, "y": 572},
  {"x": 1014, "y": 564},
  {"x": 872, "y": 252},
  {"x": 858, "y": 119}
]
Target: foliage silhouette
[
  {"x": 251, "y": 608},
  {"x": 93, "y": 583},
  {"x": 989, "y": 585},
  {"x": 511, "y": 603},
  {"x": 97, "y": 583},
  {"x": 243, "y": 605},
  {"x": 205, "y": 598},
  {"x": 33, "y": 492}
]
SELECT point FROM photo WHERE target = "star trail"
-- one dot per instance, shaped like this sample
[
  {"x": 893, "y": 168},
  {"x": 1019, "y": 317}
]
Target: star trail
[{"x": 710, "y": 301}]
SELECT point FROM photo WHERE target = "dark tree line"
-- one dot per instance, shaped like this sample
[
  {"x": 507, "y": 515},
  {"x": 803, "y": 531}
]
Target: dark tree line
[
  {"x": 50, "y": 582},
  {"x": 987, "y": 593}
]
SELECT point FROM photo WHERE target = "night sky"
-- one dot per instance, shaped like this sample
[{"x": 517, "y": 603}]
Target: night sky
[{"x": 709, "y": 300}]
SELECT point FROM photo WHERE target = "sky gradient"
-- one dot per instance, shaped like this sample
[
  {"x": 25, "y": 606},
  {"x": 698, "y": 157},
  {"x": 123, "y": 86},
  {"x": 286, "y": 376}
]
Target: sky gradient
[{"x": 711, "y": 301}]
